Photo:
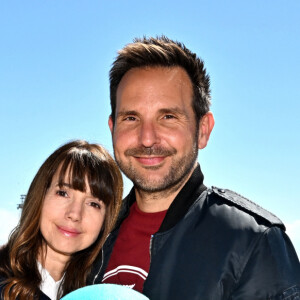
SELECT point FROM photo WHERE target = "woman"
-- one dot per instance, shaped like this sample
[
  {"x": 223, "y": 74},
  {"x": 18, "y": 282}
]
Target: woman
[{"x": 69, "y": 210}]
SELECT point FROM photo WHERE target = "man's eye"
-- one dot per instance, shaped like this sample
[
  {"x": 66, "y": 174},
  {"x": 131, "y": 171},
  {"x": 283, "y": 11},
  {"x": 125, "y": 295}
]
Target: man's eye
[
  {"x": 62, "y": 193},
  {"x": 169, "y": 117},
  {"x": 130, "y": 118}
]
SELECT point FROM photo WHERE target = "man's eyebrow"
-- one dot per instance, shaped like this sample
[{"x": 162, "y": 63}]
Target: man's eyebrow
[
  {"x": 126, "y": 113},
  {"x": 173, "y": 110}
]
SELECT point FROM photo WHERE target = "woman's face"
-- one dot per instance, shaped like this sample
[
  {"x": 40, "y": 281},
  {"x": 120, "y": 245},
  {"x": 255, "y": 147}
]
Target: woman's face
[{"x": 71, "y": 220}]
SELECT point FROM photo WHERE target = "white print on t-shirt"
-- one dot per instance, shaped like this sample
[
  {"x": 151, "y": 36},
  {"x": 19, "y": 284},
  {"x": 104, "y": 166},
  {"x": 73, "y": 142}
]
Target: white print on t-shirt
[
  {"x": 131, "y": 286},
  {"x": 126, "y": 269}
]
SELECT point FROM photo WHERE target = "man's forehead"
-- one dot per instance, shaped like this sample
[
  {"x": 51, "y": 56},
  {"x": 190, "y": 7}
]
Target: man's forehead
[
  {"x": 148, "y": 83},
  {"x": 172, "y": 73}
]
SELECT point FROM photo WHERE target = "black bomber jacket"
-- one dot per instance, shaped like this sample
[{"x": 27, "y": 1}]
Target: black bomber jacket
[{"x": 214, "y": 244}]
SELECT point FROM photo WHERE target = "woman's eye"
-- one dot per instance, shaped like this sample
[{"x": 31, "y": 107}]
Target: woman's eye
[
  {"x": 62, "y": 193},
  {"x": 95, "y": 204}
]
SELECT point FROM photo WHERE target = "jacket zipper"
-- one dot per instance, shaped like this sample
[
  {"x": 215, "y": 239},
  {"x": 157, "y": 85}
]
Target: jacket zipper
[{"x": 150, "y": 247}]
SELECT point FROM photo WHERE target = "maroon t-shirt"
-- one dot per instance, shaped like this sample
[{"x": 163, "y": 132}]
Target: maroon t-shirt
[{"x": 130, "y": 260}]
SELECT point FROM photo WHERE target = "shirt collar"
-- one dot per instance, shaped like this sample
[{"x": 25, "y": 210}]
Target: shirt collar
[{"x": 48, "y": 285}]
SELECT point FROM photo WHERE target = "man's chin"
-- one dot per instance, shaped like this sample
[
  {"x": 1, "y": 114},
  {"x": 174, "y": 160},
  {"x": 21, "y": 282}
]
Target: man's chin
[
  {"x": 153, "y": 184},
  {"x": 149, "y": 188},
  {"x": 149, "y": 183}
]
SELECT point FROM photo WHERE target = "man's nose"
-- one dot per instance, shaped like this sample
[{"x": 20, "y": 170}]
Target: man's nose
[
  {"x": 149, "y": 134},
  {"x": 74, "y": 211}
]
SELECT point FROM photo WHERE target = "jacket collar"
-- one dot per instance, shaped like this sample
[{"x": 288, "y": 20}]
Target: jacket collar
[{"x": 180, "y": 205}]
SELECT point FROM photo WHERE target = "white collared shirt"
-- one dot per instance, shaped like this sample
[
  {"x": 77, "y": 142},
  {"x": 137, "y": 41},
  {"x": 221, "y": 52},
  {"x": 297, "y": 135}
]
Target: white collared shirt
[{"x": 48, "y": 285}]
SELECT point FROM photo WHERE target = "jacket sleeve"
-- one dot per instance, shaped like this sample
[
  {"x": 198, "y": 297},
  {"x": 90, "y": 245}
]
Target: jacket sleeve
[{"x": 272, "y": 270}]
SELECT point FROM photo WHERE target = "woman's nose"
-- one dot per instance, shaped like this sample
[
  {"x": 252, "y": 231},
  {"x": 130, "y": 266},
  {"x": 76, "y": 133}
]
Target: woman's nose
[{"x": 74, "y": 211}]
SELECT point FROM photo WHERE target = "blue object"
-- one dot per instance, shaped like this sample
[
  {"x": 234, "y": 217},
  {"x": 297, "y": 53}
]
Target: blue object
[{"x": 105, "y": 291}]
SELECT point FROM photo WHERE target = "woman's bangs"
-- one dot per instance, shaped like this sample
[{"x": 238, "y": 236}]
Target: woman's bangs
[
  {"x": 73, "y": 173},
  {"x": 79, "y": 168},
  {"x": 101, "y": 182}
]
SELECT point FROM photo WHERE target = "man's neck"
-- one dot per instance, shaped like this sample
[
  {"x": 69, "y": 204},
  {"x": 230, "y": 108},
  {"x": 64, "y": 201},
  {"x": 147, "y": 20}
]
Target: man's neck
[{"x": 161, "y": 200}]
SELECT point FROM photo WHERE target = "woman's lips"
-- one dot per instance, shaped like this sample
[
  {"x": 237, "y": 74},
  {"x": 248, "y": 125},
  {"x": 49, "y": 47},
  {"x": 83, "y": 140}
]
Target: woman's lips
[{"x": 68, "y": 232}]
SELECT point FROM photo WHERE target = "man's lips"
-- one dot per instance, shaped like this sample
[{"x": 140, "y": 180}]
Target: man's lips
[
  {"x": 152, "y": 156},
  {"x": 150, "y": 160},
  {"x": 68, "y": 232}
]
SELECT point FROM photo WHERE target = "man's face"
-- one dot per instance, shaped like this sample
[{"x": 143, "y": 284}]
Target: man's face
[{"x": 155, "y": 136}]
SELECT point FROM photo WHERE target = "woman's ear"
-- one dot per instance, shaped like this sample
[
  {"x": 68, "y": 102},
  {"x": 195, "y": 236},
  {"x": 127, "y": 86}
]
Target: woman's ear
[{"x": 206, "y": 125}]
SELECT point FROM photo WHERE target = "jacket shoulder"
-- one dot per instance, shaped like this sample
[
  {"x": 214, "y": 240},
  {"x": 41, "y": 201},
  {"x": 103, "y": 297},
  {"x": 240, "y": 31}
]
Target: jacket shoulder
[{"x": 247, "y": 205}]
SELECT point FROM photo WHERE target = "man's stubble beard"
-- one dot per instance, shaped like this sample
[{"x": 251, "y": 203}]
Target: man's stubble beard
[{"x": 178, "y": 172}]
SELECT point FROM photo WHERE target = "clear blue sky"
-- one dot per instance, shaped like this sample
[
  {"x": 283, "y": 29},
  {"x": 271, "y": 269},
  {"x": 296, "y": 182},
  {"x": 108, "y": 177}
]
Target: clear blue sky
[{"x": 54, "y": 62}]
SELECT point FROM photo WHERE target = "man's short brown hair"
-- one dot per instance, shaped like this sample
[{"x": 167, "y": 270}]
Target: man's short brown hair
[{"x": 162, "y": 52}]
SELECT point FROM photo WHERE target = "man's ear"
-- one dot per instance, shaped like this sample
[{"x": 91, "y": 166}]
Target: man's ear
[
  {"x": 111, "y": 124},
  {"x": 206, "y": 126}
]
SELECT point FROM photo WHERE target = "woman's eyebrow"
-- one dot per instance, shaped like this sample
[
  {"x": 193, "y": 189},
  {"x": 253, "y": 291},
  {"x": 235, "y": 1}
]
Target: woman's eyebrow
[{"x": 63, "y": 184}]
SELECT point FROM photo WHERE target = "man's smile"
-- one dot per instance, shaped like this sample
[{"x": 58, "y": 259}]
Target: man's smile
[{"x": 150, "y": 160}]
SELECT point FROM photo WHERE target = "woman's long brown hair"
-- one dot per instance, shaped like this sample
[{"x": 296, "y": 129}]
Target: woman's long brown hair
[{"x": 78, "y": 161}]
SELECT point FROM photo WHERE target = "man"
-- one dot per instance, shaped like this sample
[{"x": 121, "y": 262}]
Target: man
[{"x": 175, "y": 238}]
